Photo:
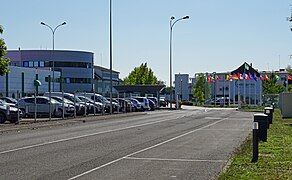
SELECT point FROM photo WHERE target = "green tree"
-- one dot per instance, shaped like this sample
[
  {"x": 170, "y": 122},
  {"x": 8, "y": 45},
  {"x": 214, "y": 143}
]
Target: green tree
[
  {"x": 271, "y": 87},
  {"x": 201, "y": 89},
  {"x": 4, "y": 62},
  {"x": 141, "y": 75}
]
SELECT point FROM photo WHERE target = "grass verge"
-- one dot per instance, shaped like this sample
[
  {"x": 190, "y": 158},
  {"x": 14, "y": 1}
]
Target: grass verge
[{"x": 275, "y": 156}]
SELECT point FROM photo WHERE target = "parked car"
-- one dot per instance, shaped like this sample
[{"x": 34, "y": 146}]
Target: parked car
[
  {"x": 144, "y": 102},
  {"x": 27, "y": 106},
  {"x": 137, "y": 105},
  {"x": 9, "y": 100},
  {"x": 101, "y": 99},
  {"x": 8, "y": 113},
  {"x": 126, "y": 105},
  {"x": 152, "y": 105},
  {"x": 72, "y": 98},
  {"x": 162, "y": 102},
  {"x": 94, "y": 105},
  {"x": 154, "y": 99},
  {"x": 80, "y": 108}
]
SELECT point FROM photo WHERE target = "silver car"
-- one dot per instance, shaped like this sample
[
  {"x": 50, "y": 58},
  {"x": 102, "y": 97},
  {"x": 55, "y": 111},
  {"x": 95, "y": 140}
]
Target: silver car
[{"x": 41, "y": 105}]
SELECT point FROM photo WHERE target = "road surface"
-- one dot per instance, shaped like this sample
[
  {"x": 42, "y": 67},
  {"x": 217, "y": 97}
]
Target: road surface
[{"x": 184, "y": 144}]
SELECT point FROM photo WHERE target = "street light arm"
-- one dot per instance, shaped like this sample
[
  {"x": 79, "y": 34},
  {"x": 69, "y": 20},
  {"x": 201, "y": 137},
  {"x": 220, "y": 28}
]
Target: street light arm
[
  {"x": 58, "y": 26},
  {"x": 42, "y": 23},
  {"x": 172, "y": 18}
]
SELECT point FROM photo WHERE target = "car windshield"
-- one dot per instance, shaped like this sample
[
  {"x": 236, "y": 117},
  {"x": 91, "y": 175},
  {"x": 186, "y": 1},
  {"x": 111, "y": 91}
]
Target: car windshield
[{"x": 86, "y": 99}]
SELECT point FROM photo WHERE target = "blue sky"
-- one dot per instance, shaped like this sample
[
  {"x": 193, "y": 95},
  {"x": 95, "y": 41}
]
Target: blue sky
[{"x": 219, "y": 36}]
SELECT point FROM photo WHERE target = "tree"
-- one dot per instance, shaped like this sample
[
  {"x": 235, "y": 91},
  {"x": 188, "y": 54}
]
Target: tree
[
  {"x": 271, "y": 87},
  {"x": 201, "y": 89},
  {"x": 4, "y": 62},
  {"x": 141, "y": 75}
]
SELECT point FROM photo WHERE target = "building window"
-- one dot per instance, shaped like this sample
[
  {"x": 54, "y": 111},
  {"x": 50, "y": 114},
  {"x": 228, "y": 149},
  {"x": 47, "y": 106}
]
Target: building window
[
  {"x": 41, "y": 64},
  {"x": 35, "y": 64},
  {"x": 25, "y": 64},
  {"x": 30, "y": 63}
]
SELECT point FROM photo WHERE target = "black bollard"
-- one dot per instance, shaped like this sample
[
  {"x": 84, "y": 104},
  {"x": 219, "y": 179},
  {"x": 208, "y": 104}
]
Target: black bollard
[
  {"x": 255, "y": 142},
  {"x": 263, "y": 125},
  {"x": 269, "y": 111}
]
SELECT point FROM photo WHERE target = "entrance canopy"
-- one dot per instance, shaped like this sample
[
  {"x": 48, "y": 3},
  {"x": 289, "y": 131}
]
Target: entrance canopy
[{"x": 141, "y": 89}]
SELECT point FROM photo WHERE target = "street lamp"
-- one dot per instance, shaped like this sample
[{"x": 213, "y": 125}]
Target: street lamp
[
  {"x": 181, "y": 89},
  {"x": 172, "y": 23},
  {"x": 111, "y": 56},
  {"x": 53, "y": 31}
]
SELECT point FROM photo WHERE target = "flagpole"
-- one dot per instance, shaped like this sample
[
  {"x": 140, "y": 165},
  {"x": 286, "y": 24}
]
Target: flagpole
[
  {"x": 224, "y": 91},
  {"x": 255, "y": 93},
  {"x": 229, "y": 92},
  {"x": 234, "y": 92},
  {"x": 244, "y": 90}
]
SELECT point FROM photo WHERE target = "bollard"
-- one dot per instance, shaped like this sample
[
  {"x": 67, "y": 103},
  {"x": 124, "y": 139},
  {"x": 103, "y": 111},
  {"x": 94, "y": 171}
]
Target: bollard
[
  {"x": 262, "y": 121},
  {"x": 269, "y": 111},
  {"x": 255, "y": 142}
]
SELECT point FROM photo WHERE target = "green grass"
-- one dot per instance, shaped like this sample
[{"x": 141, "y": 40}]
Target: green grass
[{"x": 275, "y": 156}]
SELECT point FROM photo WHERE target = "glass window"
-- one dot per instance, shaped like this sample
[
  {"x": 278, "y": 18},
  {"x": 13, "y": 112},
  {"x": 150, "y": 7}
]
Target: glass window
[
  {"x": 30, "y": 64},
  {"x": 41, "y": 64},
  {"x": 25, "y": 63},
  {"x": 35, "y": 64},
  {"x": 41, "y": 101}
]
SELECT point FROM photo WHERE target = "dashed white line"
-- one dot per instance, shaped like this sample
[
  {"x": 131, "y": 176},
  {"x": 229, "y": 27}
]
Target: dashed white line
[
  {"x": 178, "y": 160},
  {"x": 151, "y": 147}
]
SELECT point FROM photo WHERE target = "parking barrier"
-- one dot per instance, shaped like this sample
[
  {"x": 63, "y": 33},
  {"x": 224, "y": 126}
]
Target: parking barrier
[
  {"x": 255, "y": 142},
  {"x": 262, "y": 120}
]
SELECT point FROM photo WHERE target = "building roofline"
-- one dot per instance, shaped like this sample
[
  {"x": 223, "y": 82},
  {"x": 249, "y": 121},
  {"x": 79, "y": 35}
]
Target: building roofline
[
  {"x": 104, "y": 68},
  {"x": 43, "y": 50}
]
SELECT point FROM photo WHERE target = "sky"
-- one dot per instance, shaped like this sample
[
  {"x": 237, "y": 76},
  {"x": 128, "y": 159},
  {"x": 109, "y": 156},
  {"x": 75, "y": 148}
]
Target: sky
[{"x": 218, "y": 37}]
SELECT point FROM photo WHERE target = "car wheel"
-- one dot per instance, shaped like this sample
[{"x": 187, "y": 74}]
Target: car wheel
[
  {"x": 2, "y": 118},
  {"x": 58, "y": 113},
  {"x": 23, "y": 112}
]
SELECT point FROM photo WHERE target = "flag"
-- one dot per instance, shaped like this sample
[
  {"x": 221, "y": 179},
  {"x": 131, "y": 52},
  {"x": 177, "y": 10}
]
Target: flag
[
  {"x": 277, "y": 77},
  {"x": 240, "y": 76},
  {"x": 267, "y": 77},
  {"x": 251, "y": 77},
  {"x": 246, "y": 77},
  {"x": 289, "y": 77},
  {"x": 262, "y": 78},
  {"x": 234, "y": 77},
  {"x": 210, "y": 79},
  {"x": 217, "y": 77}
]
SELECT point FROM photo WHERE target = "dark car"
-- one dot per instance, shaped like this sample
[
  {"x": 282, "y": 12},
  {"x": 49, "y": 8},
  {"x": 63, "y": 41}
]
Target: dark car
[
  {"x": 152, "y": 105},
  {"x": 8, "y": 113}
]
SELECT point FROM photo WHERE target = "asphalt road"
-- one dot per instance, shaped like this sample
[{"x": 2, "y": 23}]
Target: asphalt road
[{"x": 183, "y": 144}]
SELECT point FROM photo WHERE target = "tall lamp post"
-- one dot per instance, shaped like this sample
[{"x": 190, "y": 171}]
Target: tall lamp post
[
  {"x": 172, "y": 23},
  {"x": 111, "y": 56},
  {"x": 53, "y": 31}
]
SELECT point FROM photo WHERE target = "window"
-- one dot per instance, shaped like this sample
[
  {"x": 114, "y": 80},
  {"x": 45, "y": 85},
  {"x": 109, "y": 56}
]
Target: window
[
  {"x": 25, "y": 64},
  {"x": 41, "y": 101},
  {"x": 30, "y": 63},
  {"x": 35, "y": 64},
  {"x": 41, "y": 64}
]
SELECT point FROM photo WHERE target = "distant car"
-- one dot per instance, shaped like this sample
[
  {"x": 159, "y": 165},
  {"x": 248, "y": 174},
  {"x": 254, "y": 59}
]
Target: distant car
[
  {"x": 80, "y": 108},
  {"x": 136, "y": 104},
  {"x": 154, "y": 99},
  {"x": 144, "y": 102},
  {"x": 27, "y": 106},
  {"x": 152, "y": 105},
  {"x": 9, "y": 100},
  {"x": 8, "y": 113},
  {"x": 162, "y": 102},
  {"x": 93, "y": 105}
]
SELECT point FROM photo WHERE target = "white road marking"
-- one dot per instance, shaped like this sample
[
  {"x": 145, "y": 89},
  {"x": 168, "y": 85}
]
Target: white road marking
[
  {"x": 178, "y": 160},
  {"x": 86, "y": 135},
  {"x": 151, "y": 147}
]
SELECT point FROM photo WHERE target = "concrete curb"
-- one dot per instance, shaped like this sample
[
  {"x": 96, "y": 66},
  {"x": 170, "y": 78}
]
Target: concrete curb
[{"x": 30, "y": 124}]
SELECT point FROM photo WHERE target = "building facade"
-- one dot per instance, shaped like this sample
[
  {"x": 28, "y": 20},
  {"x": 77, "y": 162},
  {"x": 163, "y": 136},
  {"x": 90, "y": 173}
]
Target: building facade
[
  {"x": 75, "y": 67},
  {"x": 20, "y": 81},
  {"x": 183, "y": 87},
  {"x": 102, "y": 80}
]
